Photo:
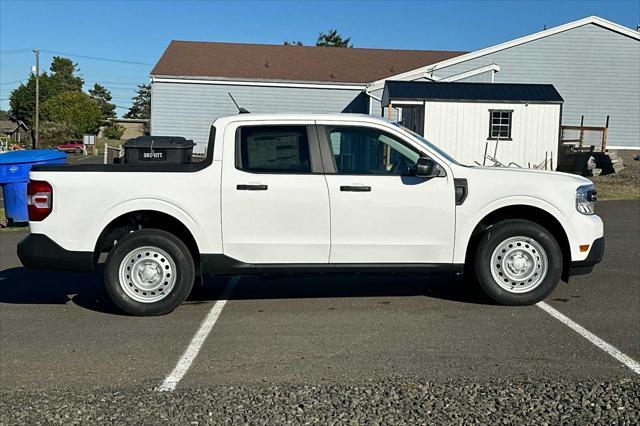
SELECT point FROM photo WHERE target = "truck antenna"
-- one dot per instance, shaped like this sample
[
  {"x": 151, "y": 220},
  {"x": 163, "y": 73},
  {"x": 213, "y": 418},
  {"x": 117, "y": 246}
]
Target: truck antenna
[{"x": 240, "y": 109}]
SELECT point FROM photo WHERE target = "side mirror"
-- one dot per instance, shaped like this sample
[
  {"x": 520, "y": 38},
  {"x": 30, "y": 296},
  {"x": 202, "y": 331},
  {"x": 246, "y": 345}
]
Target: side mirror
[{"x": 426, "y": 167}]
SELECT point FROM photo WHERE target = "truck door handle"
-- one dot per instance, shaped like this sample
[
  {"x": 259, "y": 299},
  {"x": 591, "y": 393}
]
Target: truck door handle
[
  {"x": 246, "y": 187},
  {"x": 357, "y": 188}
]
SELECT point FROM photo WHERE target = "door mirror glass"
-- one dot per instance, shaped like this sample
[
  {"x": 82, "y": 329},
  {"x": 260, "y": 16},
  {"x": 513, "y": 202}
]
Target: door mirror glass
[{"x": 426, "y": 167}]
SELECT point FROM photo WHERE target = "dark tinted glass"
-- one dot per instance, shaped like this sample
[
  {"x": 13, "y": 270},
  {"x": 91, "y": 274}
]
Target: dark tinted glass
[
  {"x": 275, "y": 149},
  {"x": 365, "y": 151}
]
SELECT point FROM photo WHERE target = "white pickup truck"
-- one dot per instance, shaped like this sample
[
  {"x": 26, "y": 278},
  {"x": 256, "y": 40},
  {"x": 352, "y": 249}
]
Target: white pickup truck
[{"x": 308, "y": 193}]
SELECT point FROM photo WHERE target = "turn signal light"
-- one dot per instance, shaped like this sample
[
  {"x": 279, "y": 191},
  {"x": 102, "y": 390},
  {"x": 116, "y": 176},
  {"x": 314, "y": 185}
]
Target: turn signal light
[
  {"x": 584, "y": 247},
  {"x": 39, "y": 200}
]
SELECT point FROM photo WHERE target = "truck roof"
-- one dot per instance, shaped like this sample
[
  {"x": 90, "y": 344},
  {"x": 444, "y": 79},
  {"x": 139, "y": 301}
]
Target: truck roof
[{"x": 296, "y": 117}]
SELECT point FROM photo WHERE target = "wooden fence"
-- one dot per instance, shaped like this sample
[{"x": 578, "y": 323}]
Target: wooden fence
[{"x": 583, "y": 138}]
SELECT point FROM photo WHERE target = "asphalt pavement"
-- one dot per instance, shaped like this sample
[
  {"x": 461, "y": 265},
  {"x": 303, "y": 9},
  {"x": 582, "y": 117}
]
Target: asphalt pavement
[{"x": 356, "y": 348}]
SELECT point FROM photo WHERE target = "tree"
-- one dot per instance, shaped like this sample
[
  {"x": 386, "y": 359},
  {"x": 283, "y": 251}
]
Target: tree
[
  {"x": 23, "y": 98},
  {"x": 141, "y": 107},
  {"x": 76, "y": 109},
  {"x": 113, "y": 131},
  {"x": 62, "y": 75},
  {"x": 62, "y": 79},
  {"x": 53, "y": 133},
  {"x": 103, "y": 97},
  {"x": 293, "y": 43},
  {"x": 332, "y": 39},
  {"x": 4, "y": 115}
]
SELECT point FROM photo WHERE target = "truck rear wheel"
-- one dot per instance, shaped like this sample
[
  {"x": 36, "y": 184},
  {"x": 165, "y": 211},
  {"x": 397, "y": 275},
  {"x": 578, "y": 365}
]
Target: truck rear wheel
[
  {"x": 149, "y": 272},
  {"x": 518, "y": 262}
]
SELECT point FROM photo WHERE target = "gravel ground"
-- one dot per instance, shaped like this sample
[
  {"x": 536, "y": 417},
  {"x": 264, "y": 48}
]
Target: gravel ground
[
  {"x": 624, "y": 185},
  {"x": 393, "y": 401}
]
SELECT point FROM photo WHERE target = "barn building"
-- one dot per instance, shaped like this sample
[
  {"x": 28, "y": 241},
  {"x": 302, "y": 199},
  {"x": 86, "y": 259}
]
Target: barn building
[{"x": 593, "y": 63}]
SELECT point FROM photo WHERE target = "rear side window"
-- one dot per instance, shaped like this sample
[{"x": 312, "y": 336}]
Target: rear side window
[{"x": 274, "y": 149}]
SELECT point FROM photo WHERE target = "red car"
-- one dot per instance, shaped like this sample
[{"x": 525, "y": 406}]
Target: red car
[{"x": 70, "y": 146}]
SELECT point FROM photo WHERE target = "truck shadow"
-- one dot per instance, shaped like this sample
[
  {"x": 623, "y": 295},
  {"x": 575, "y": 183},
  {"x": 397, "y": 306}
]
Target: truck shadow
[{"x": 24, "y": 286}]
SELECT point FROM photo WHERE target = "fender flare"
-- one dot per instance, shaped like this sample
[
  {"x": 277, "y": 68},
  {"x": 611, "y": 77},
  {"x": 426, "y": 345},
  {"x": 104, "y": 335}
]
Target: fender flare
[
  {"x": 148, "y": 204},
  {"x": 463, "y": 237}
]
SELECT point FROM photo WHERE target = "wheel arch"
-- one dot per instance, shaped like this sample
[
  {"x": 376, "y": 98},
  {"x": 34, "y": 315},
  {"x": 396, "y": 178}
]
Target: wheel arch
[
  {"x": 532, "y": 213},
  {"x": 134, "y": 220}
]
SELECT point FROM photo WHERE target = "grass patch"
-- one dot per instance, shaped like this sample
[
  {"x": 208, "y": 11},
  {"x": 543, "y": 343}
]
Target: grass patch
[
  {"x": 620, "y": 186},
  {"x": 3, "y": 218}
]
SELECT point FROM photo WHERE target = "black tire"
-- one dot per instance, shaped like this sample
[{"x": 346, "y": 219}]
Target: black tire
[
  {"x": 184, "y": 274},
  {"x": 501, "y": 232},
  {"x": 77, "y": 150}
]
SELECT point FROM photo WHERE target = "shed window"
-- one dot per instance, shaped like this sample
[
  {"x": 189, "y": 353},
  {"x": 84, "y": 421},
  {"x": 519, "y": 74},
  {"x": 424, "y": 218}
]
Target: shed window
[{"x": 500, "y": 124}]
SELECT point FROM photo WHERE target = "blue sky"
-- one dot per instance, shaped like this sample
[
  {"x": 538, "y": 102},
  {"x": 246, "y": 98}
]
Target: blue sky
[{"x": 139, "y": 31}]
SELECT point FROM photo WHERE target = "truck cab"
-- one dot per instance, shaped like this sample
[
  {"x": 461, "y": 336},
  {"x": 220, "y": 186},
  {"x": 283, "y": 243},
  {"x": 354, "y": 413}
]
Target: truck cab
[{"x": 307, "y": 193}]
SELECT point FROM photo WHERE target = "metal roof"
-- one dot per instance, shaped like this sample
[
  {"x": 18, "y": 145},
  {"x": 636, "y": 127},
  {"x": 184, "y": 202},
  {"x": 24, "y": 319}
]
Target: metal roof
[{"x": 398, "y": 91}]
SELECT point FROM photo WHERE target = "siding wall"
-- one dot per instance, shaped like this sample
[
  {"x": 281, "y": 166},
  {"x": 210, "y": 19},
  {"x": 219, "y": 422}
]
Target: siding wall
[
  {"x": 376, "y": 107},
  {"x": 484, "y": 77},
  {"x": 597, "y": 72},
  {"x": 461, "y": 129},
  {"x": 188, "y": 110}
]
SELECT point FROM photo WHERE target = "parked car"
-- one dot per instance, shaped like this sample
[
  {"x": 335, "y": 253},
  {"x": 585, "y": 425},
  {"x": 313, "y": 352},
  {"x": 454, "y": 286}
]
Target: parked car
[
  {"x": 71, "y": 146},
  {"x": 311, "y": 193}
]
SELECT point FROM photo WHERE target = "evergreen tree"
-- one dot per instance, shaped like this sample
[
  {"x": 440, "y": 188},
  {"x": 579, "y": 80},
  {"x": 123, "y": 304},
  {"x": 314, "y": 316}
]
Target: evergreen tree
[
  {"x": 62, "y": 79},
  {"x": 141, "y": 107},
  {"x": 103, "y": 97},
  {"x": 332, "y": 39}
]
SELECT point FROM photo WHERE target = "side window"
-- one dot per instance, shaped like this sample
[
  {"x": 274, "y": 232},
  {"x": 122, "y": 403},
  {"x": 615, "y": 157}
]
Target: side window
[
  {"x": 366, "y": 151},
  {"x": 274, "y": 149},
  {"x": 500, "y": 124}
]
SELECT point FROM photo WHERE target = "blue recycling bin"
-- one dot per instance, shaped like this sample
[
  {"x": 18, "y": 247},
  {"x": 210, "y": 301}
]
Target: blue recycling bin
[{"x": 14, "y": 176}]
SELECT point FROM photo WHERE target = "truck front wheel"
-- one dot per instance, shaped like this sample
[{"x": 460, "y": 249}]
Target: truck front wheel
[
  {"x": 149, "y": 272},
  {"x": 518, "y": 262}
]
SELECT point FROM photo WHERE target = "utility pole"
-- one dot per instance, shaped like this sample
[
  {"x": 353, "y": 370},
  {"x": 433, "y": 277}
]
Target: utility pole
[{"x": 36, "y": 141}]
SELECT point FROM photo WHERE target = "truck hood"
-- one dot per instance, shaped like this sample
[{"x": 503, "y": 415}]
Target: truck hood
[
  {"x": 488, "y": 185},
  {"x": 527, "y": 174}
]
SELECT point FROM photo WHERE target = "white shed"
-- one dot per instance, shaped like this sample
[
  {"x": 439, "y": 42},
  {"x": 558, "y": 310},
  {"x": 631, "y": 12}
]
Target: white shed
[{"x": 515, "y": 124}]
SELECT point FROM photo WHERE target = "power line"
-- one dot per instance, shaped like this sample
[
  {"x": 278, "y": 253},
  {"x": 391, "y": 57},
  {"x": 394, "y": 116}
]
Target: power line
[
  {"x": 114, "y": 82},
  {"x": 119, "y": 88},
  {"x": 26, "y": 49},
  {"x": 96, "y": 58},
  {"x": 114, "y": 86},
  {"x": 11, "y": 82}
]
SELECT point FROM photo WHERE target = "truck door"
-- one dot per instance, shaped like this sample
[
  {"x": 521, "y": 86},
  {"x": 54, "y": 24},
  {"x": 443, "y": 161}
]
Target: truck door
[
  {"x": 275, "y": 202},
  {"x": 380, "y": 212}
]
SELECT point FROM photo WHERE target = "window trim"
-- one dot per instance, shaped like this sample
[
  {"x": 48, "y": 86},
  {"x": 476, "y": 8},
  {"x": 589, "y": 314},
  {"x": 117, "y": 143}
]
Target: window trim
[
  {"x": 510, "y": 128},
  {"x": 312, "y": 141},
  {"x": 328, "y": 158}
]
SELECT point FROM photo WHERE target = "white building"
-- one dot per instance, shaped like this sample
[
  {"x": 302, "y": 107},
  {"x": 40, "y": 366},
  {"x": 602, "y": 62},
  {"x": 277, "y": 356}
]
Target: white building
[
  {"x": 515, "y": 124},
  {"x": 593, "y": 63}
]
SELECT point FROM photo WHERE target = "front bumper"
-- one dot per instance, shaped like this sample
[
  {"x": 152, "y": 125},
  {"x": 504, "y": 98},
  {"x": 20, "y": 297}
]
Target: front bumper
[
  {"x": 595, "y": 256},
  {"x": 37, "y": 251}
]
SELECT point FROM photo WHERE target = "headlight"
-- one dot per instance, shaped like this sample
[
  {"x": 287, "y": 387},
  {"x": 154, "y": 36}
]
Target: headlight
[{"x": 586, "y": 199}]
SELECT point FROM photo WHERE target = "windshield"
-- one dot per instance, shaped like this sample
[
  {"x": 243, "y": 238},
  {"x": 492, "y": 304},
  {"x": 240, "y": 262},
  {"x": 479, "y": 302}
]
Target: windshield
[{"x": 429, "y": 144}]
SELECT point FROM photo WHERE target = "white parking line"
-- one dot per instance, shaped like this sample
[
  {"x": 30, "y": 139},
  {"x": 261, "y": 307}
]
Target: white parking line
[
  {"x": 181, "y": 368},
  {"x": 611, "y": 350}
]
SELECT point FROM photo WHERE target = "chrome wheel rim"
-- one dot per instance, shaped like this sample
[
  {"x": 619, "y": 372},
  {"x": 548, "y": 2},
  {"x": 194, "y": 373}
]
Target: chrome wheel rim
[
  {"x": 147, "y": 274},
  {"x": 519, "y": 264}
]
